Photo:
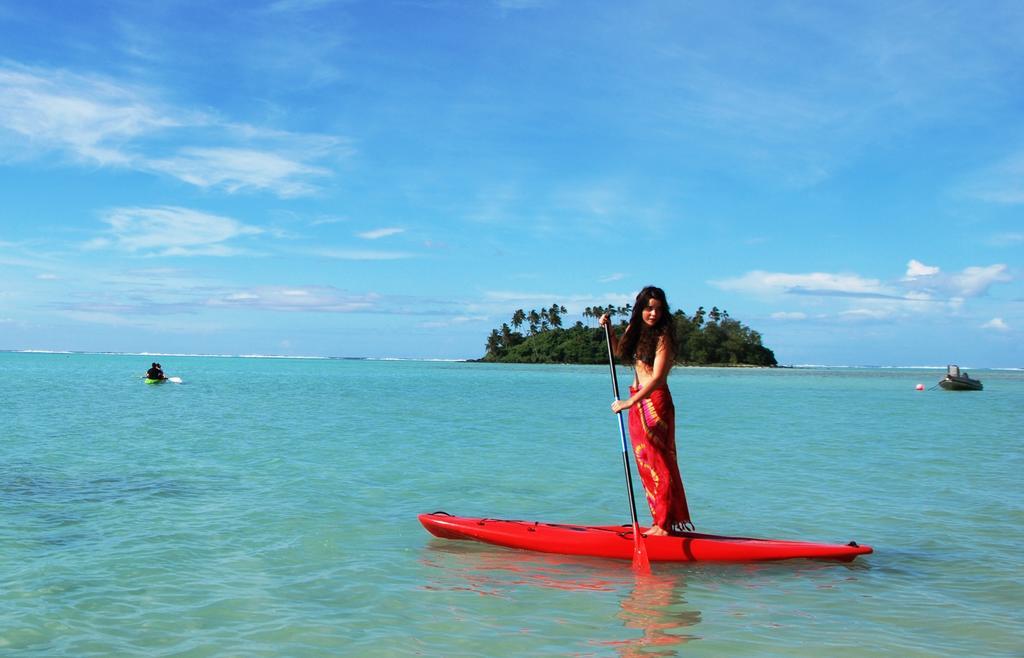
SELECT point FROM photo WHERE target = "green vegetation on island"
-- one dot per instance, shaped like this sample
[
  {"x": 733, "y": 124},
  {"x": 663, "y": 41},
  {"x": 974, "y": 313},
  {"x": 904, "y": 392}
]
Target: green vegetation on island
[{"x": 703, "y": 339}]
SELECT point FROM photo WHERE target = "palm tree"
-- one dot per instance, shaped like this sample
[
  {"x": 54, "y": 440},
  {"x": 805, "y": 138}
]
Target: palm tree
[
  {"x": 554, "y": 316},
  {"x": 518, "y": 318},
  {"x": 534, "y": 318},
  {"x": 494, "y": 343}
]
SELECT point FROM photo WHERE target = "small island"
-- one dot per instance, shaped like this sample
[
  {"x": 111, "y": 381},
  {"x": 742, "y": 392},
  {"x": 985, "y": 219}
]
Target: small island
[{"x": 707, "y": 338}]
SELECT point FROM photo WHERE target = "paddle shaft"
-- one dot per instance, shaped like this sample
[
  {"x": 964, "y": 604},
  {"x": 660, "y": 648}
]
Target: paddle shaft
[{"x": 622, "y": 429}]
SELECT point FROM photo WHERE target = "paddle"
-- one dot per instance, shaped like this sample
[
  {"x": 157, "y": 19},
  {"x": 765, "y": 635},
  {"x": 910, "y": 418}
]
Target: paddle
[{"x": 641, "y": 564}]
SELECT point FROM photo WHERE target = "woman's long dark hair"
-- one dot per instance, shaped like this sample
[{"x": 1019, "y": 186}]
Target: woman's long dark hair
[{"x": 640, "y": 342}]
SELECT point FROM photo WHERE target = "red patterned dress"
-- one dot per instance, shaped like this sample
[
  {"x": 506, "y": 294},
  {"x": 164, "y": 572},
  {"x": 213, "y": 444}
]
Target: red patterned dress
[{"x": 652, "y": 430}]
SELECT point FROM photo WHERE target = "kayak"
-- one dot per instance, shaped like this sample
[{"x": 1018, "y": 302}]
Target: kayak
[
  {"x": 617, "y": 541},
  {"x": 173, "y": 380}
]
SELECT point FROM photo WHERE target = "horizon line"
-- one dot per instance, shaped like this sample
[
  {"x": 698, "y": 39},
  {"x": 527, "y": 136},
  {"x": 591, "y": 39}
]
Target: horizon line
[{"x": 464, "y": 360}]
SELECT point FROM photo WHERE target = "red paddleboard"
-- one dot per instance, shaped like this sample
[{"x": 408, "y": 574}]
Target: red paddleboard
[{"x": 617, "y": 541}]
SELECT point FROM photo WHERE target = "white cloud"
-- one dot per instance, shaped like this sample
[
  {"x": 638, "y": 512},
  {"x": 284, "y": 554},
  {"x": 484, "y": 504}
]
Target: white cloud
[
  {"x": 89, "y": 118},
  {"x": 237, "y": 169},
  {"x": 921, "y": 283},
  {"x": 521, "y": 297},
  {"x": 763, "y": 283},
  {"x": 787, "y": 315},
  {"x": 376, "y": 234},
  {"x": 171, "y": 231},
  {"x": 96, "y": 121},
  {"x": 320, "y": 221},
  {"x": 865, "y": 314},
  {"x": 996, "y": 324},
  {"x": 916, "y": 268},
  {"x": 975, "y": 281},
  {"x": 574, "y": 303},
  {"x": 618, "y": 276},
  {"x": 323, "y": 299}
]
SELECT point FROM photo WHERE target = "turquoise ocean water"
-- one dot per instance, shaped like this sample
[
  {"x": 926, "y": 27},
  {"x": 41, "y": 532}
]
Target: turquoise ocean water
[{"x": 267, "y": 507}]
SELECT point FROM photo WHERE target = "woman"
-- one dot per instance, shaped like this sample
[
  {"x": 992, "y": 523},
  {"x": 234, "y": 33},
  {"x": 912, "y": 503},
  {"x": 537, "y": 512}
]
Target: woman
[{"x": 650, "y": 343}]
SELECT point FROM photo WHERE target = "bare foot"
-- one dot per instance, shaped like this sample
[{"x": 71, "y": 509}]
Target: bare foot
[{"x": 656, "y": 531}]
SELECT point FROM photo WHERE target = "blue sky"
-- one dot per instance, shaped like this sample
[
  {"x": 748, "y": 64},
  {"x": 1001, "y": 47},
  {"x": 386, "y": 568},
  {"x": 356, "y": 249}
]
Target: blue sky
[{"x": 395, "y": 178}]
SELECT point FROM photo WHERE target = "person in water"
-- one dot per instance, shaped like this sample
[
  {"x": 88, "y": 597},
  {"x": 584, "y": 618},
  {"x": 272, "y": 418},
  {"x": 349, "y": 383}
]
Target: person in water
[
  {"x": 155, "y": 372},
  {"x": 649, "y": 342}
]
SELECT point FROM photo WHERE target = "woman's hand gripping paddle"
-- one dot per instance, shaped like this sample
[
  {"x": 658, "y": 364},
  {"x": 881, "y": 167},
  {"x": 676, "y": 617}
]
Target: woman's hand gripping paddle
[{"x": 641, "y": 564}]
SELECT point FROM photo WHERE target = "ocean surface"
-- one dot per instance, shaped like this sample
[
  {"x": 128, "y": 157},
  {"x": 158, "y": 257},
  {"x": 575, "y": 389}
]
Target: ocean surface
[{"x": 267, "y": 507}]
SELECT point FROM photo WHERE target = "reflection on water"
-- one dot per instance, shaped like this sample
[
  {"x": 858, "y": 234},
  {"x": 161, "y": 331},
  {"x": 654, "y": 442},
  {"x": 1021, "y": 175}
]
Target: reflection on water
[
  {"x": 614, "y": 611},
  {"x": 492, "y": 572},
  {"x": 653, "y": 614},
  {"x": 656, "y": 607}
]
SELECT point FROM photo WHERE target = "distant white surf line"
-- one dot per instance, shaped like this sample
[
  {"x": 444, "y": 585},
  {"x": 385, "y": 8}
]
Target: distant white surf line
[
  {"x": 810, "y": 366},
  {"x": 39, "y": 351},
  {"x": 404, "y": 358},
  {"x": 241, "y": 356}
]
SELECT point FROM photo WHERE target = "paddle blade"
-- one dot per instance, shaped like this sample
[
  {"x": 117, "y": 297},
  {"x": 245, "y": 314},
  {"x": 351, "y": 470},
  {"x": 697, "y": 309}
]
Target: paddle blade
[{"x": 641, "y": 564}]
